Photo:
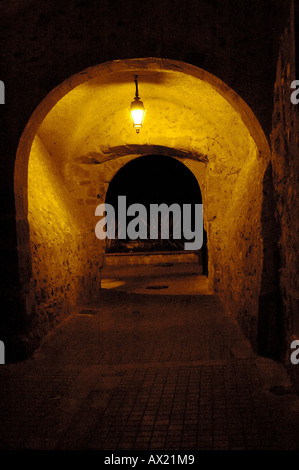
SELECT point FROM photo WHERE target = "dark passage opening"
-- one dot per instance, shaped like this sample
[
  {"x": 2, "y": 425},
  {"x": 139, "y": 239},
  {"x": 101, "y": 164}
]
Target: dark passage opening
[
  {"x": 153, "y": 179},
  {"x": 270, "y": 313}
]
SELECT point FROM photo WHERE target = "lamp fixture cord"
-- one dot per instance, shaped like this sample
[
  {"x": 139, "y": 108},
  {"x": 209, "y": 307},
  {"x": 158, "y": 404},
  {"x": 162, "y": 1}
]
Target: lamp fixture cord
[{"x": 136, "y": 83}]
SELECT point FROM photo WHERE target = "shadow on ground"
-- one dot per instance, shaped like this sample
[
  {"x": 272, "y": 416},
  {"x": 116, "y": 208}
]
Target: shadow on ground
[{"x": 147, "y": 371}]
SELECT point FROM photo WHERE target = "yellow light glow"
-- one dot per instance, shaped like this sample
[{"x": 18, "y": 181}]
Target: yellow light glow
[{"x": 137, "y": 114}]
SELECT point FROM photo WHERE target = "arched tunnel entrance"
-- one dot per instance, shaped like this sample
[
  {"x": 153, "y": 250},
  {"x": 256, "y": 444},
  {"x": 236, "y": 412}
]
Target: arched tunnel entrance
[
  {"x": 156, "y": 181},
  {"x": 153, "y": 179},
  {"x": 80, "y": 137}
]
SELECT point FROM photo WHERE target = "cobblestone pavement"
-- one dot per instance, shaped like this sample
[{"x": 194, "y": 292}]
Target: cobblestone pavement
[{"x": 147, "y": 372}]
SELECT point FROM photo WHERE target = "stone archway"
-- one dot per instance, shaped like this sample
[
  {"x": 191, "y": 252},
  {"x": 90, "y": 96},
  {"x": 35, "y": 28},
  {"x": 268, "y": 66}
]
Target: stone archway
[
  {"x": 152, "y": 179},
  {"x": 80, "y": 136}
]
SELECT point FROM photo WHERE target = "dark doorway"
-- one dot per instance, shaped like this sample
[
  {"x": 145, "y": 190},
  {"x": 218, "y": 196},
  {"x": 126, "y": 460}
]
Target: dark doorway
[
  {"x": 270, "y": 312},
  {"x": 153, "y": 179}
]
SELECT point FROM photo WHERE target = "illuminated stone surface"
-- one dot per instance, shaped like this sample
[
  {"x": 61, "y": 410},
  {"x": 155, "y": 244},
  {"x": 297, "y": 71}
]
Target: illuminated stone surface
[
  {"x": 86, "y": 137},
  {"x": 249, "y": 203}
]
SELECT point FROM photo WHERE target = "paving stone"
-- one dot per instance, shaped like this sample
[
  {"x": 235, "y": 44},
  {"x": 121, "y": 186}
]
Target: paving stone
[{"x": 160, "y": 382}]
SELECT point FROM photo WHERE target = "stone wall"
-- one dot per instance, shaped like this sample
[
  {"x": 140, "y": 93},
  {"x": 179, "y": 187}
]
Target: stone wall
[
  {"x": 65, "y": 271},
  {"x": 239, "y": 259},
  {"x": 285, "y": 163}
]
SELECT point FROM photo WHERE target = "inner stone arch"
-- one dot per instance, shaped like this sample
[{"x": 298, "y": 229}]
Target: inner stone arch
[
  {"x": 81, "y": 135},
  {"x": 152, "y": 179}
]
